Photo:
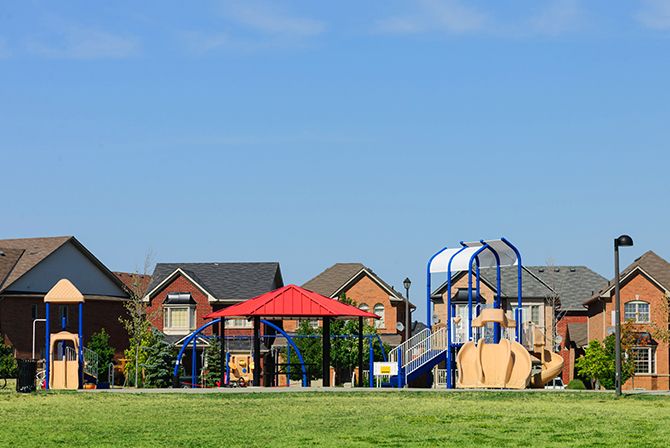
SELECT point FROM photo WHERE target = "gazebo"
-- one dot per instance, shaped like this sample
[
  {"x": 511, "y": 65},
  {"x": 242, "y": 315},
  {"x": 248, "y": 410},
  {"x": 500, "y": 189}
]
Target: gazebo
[{"x": 290, "y": 302}]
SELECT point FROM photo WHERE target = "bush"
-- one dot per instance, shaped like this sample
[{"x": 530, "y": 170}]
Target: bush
[
  {"x": 576, "y": 384},
  {"x": 99, "y": 343},
  {"x": 7, "y": 360}
]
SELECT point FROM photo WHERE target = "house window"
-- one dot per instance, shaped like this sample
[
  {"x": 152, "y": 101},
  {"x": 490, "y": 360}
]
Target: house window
[
  {"x": 364, "y": 307},
  {"x": 178, "y": 318},
  {"x": 379, "y": 311},
  {"x": 645, "y": 360},
  {"x": 533, "y": 314},
  {"x": 636, "y": 311},
  {"x": 313, "y": 323},
  {"x": 239, "y": 323}
]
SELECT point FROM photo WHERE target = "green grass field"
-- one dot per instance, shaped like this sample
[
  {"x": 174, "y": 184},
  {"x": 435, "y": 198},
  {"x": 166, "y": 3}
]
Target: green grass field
[{"x": 333, "y": 419}]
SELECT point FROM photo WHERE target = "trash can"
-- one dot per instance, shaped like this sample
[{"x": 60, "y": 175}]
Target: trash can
[{"x": 25, "y": 378}]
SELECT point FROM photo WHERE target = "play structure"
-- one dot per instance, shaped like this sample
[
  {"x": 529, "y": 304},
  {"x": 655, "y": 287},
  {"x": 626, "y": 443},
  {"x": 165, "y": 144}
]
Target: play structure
[
  {"x": 64, "y": 352},
  {"x": 288, "y": 302},
  {"x": 493, "y": 355}
]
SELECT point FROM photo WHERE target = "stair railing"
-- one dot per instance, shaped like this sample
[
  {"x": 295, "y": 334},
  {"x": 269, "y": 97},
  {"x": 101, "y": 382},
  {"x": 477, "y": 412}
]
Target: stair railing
[
  {"x": 406, "y": 346},
  {"x": 425, "y": 350}
]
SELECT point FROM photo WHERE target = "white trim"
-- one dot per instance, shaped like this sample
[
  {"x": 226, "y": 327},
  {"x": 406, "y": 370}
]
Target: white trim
[
  {"x": 391, "y": 292},
  {"x": 201, "y": 341},
  {"x": 170, "y": 277}
]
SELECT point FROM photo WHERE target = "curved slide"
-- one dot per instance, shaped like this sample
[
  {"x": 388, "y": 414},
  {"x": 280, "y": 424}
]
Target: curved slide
[{"x": 551, "y": 368}]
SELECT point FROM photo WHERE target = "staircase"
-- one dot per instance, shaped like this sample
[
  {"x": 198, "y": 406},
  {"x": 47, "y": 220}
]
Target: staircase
[{"x": 419, "y": 354}]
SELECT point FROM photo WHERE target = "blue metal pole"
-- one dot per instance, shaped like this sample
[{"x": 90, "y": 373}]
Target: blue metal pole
[
  {"x": 473, "y": 257},
  {"x": 400, "y": 373},
  {"x": 194, "y": 365},
  {"x": 496, "y": 303},
  {"x": 227, "y": 368},
  {"x": 47, "y": 355},
  {"x": 429, "y": 322},
  {"x": 371, "y": 363},
  {"x": 519, "y": 286},
  {"x": 450, "y": 384},
  {"x": 477, "y": 290},
  {"x": 81, "y": 344}
]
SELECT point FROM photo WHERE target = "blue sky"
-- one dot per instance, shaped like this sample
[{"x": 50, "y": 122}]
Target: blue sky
[{"x": 316, "y": 132}]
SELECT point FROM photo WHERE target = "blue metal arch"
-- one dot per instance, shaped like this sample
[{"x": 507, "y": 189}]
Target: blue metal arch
[
  {"x": 429, "y": 321},
  {"x": 517, "y": 317},
  {"x": 295, "y": 347},
  {"x": 199, "y": 330},
  {"x": 496, "y": 304},
  {"x": 448, "y": 323}
]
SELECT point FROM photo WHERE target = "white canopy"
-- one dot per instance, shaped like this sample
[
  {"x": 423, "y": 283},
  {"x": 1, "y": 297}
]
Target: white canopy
[{"x": 486, "y": 258}]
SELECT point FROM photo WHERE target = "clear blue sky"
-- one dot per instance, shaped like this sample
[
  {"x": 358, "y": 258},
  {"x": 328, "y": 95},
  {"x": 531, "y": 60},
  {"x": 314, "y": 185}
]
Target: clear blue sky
[{"x": 316, "y": 132}]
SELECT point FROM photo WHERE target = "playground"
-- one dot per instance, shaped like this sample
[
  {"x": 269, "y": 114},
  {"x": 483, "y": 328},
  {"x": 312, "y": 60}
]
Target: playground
[{"x": 349, "y": 418}]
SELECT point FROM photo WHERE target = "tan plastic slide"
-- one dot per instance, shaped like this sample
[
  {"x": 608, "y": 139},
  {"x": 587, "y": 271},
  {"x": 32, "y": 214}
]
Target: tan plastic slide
[
  {"x": 552, "y": 363},
  {"x": 506, "y": 364}
]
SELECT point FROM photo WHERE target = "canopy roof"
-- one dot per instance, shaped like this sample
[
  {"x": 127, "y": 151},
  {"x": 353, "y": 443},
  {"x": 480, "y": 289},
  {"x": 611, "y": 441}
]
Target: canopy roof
[
  {"x": 64, "y": 292},
  {"x": 486, "y": 258},
  {"x": 291, "y": 301}
]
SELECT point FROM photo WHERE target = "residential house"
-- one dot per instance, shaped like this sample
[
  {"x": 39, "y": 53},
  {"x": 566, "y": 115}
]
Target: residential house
[
  {"x": 30, "y": 267},
  {"x": 645, "y": 286},
  {"x": 370, "y": 293},
  {"x": 181, "y": 294}
]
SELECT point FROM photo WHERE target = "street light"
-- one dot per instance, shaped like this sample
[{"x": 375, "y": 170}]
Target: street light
[
  {"x": 622, "y": 241},
  {"x": 407, "y": 283}
]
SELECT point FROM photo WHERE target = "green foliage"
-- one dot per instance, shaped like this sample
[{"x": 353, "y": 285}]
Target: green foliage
[
  {"x": 576, "y": 384},
  {"x": 598, "y": 361},
  {"x": 213, "y": 357},
  {"x": 7, "y": 360},
  {"x": 160, "y": 356},
  {"x": 99, "y": 343}
]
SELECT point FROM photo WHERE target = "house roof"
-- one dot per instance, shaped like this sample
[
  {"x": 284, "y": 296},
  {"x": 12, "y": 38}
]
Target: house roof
[
  {"x": 651, "y": 264},
  {"x": 26, "y": 253},
  {"x": 331, "y": 281},
  {"x": 135, "y": 282},
  {"x": 34, "y": 250},
  {"x": 578, "y": 333},
  {"x": 224, "y": 281},
  {"x": 572, "y": 284},
  {"x": 291, "y": 301}
]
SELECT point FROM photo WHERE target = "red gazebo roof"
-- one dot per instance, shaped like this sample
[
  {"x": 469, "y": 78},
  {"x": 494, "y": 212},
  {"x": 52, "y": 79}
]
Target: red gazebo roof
[{"x": 291, "y": 301}]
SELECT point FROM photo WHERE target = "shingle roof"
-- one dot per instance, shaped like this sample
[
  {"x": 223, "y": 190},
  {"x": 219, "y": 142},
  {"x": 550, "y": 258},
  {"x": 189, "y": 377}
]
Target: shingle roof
[
  {"x": 225, "y": 281},
  {"x": 335, "y": 277},
  {"x": 8, "y": 259},
  {"x": 571, "y": 284},
  {"x": 33, "y": 251},
  {"x": 657, "y": 267},
  {"x": 578, "y": 333}
]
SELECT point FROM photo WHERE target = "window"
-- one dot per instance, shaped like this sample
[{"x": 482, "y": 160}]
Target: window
[
  {"x": 364, "y": 307},
  {"x": 637, "y": 311},
  {"x": 379, "y": 311},
  {"x": 645, "y": 360},
  {"x": 533, "y": 313},
  {"x": 239, "y": 323},
  {"x": 178, "y": 318}
]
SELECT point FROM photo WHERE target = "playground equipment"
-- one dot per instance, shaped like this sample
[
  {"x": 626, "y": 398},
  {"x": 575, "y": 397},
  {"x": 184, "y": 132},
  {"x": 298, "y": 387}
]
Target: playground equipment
[
  {"x": 506, "y": 364},
  {"x": 64, "y": 351},
  {"x": 551, "y": 363},
  {"x": 499, "y": 362},
  {"x": 241, "y": 368}
]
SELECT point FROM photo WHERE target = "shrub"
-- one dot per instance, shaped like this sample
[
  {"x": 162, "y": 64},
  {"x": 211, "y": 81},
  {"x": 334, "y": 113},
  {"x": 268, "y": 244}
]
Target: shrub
[
  {"x": 7, "y": 360},
  {"x": 99, "y": 343},
  {"x": 576, "y": 384}
]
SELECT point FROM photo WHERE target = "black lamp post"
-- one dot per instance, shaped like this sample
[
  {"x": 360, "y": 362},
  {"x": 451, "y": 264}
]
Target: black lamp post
[
  {"x": 407, "y": 283},
  {"x": 622, "y": 241}
]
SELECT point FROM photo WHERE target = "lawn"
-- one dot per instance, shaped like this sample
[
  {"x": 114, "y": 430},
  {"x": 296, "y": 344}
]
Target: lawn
[{"x": 391, "y": 418}]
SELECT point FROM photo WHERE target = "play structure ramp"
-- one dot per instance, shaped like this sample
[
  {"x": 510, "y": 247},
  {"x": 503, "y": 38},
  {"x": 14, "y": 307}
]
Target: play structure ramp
[{"x": 420, "y": 353}]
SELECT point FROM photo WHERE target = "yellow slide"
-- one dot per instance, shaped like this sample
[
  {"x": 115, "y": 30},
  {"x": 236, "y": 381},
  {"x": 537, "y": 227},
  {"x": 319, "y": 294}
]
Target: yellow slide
[{"x": 552, "y": 363}]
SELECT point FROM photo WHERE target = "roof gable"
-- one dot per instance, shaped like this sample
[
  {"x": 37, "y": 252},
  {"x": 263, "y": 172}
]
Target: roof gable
[
  {"x": 34, "y": 251},
  {"x": 224, "y": 281},
  {"x": 338, "y": 277}
]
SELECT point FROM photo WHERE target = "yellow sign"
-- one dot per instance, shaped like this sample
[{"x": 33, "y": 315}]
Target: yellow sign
[{"x": 385, "y": 370}]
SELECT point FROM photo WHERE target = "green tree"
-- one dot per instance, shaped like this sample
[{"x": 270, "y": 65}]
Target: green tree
[
  {"x": 160, "y": 356},
  {"x": 213, "y": 357},
  {"x": 599, "y": 360},
  {"x": 7, "y": 360},
  {"x": 99, "y": 343}
]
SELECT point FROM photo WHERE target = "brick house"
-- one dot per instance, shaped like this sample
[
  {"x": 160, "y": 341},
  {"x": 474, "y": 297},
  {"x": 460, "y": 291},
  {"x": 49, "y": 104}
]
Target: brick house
[
  {"x": 29, "y": 267},
  {"x": 370, "y": 293},
  {"x": 645, "y": 286},
  {"x": 181, "y": 294}
]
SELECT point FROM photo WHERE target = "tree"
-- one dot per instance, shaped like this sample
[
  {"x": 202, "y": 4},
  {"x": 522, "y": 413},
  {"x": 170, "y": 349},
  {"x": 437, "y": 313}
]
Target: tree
[
  {"x": 99, "y": 343},
  {"x": 7, "y": 360},
  {"x": 136, "y": 321},
  {"x": 598, "y": 361},
  {"x": 661, "y": 330},
  {"x": 213, "y": 357},
  {"x": 160, "y": 355}
]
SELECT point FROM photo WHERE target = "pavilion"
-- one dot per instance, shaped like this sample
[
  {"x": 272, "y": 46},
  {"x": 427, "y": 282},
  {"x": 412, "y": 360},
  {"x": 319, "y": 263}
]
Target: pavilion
[{"x": 291, "y": 302}]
